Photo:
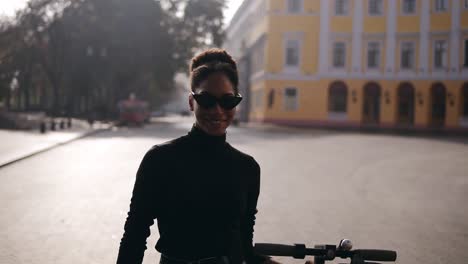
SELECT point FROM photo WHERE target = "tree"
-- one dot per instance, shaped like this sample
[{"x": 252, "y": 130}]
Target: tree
[{"x": 96, "y": 52}]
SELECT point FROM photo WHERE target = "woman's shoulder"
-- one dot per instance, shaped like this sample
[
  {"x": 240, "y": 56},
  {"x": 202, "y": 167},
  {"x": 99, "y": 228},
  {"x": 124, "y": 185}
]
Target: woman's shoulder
[
  {"x": 244, "y": 157},
  {"x": 167, "y": 147}
]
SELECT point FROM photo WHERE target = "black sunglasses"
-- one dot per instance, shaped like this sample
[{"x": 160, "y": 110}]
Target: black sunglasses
[{"x": 227, "y": 101}]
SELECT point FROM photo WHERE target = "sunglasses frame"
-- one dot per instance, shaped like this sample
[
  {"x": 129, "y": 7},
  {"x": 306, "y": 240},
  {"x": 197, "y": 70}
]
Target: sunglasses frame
[{"x": 217, "y": 100}]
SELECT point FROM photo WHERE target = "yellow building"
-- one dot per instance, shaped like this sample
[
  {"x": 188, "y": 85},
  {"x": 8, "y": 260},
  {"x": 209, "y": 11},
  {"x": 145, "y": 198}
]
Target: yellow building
[{"x": 353, "y": 63}]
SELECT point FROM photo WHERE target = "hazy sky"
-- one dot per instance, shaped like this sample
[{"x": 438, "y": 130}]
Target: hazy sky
[
  {"x": 231, "y": 9},
  {"x": 8, "y": 7}
]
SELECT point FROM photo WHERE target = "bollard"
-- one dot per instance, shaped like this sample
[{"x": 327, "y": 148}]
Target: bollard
[
  {"x": 62, "y": 124},
  {"x": 42, "y": 127},
  {"x": 90, "y": 122},
  {"x": 69, "y": 123},
  {"x": 52, "y": 125}
]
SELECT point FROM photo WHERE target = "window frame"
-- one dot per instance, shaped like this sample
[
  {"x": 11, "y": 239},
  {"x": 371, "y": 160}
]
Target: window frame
[
  {"x": 379, "y": 57},
  {"x": 295, "y": 106},
  {"x": 444, "y": 59},
  {"x": 464, "y": 105},
  {"x": 465, "y": 54},
  {"x": 334, "y": 59},
  {"x": 404, "y": 12},
  {"x": 301, "y": 7},
  {"x": 382, "y": 8},
  {"x": 258, "y": 99},
  {"x": 338, "y": 108},
  {"x": 271, "y": 98},
  {"x": 435, "y": 6},
  {"x": 413, "y": 59},
  {"x": 286, "y": 41},
  {"x": 346, "y": 8}
]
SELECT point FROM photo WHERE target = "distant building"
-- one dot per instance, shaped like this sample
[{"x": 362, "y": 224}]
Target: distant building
[{"x": 377, "y": 63}]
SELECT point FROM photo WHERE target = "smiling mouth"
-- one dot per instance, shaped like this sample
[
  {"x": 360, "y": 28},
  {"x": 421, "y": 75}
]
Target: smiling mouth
[{"x": 216, "y": 121}]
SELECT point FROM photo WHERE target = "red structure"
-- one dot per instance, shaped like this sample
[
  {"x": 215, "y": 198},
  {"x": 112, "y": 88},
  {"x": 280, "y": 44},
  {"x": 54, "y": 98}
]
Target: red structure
[{"x": 133, "y": 111}]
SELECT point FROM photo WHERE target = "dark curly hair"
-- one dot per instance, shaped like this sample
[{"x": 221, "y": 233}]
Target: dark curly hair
[{"x": 213, "y": 61}]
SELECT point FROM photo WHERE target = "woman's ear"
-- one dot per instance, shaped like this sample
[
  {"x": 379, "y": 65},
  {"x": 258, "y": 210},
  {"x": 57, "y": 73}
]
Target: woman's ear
[{"x": 191, "y": 102}]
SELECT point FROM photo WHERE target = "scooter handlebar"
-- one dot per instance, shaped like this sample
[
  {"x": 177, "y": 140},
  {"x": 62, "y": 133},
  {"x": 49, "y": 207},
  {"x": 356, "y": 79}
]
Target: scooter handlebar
[
  {"x": 300, "y": 251},
  {"x": 275, "y": 249},
  {"x": 377, "y": 254}
]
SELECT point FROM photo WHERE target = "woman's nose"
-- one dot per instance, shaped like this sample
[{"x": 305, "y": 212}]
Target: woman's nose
[{"x": 217, "y": 108}]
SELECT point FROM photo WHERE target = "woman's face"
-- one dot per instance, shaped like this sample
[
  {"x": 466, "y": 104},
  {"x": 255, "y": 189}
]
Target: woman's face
[{"x": 215, "y": 120}]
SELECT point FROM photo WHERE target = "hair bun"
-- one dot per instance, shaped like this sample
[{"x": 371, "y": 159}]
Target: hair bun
[
  {"x": 212, "y": 56},
  {"x": 212, "y": 61}
]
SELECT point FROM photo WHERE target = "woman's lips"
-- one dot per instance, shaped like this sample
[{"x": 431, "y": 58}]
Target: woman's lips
[{"x": 215, "y": 121}]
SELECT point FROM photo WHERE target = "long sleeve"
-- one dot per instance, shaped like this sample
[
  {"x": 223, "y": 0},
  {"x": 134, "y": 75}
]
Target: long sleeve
[
  {"x": 141, "y": 214},
  {"x": 247, "y": 226}
]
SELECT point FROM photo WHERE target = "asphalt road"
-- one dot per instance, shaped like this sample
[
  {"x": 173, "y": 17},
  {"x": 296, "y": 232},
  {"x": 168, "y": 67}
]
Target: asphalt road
[{"x": 409, "y": 194}]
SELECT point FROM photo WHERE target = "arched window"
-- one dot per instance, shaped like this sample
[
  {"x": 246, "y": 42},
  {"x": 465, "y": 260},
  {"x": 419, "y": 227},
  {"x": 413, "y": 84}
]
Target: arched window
[
  {"x": 271, "y": 98},
  {"x": 465, "y": 101},
  {"x": 405, "y": 103},
  {"x": 464, "y": 106},
  {"x": 438, "y": 97},
  {"x": 337, "y": 97},
  {"x": 371, "y": 106}
]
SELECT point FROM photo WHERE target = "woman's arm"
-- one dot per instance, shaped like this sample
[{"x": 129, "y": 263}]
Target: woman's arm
[
  {"x": 141, "y": 214},
  {"x": 247, "y": 225}
]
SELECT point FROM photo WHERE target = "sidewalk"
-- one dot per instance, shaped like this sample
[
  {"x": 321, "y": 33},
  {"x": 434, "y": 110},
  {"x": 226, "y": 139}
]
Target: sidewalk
[{"x": 17, "y": 145}]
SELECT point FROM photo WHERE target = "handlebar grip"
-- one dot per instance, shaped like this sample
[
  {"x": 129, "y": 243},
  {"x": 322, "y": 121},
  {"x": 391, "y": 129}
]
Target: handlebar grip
[
  {"x": 377, "y": 254},
  {"x": 274, "y": 249}
]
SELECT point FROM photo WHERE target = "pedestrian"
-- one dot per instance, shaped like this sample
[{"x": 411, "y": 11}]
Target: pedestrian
[{"x": 202, "y": 191}]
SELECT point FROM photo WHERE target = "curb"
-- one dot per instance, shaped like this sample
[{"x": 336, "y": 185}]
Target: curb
[{"x": 86, "y": 134}]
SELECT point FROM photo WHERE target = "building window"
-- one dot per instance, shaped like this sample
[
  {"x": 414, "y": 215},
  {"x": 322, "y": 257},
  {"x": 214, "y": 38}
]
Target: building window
[
  {"x": 337, "y": 98},
  {"x": 407, "y": 55},
  {"x": 257, "y": 54},
  {"x": 258, "y": 98},
  {"x": 295, "y": 6},
  {"x": 271, "y": 98},
  {"x": 373, "y": 55},
  {"x": 409, "y": 7},
  {"x": 465, "y": 100},
  {"x": 341, "y": 7},
  {"x": 465, "y": 64},
  {"x": 441, "y": 5},
  {"x": 290, "y": 99},
  {"x": 339, "y": 54},
  {"x": 440, "y": 54},
  {"x": 292, "y": 53},
  {"x": 375, "y": 7}
]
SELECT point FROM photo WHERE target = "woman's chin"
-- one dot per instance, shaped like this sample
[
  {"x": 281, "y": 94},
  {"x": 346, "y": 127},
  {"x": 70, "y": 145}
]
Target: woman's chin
[
  {"x": 215, "y": 129},
  {"x": 217, "y": 132}
]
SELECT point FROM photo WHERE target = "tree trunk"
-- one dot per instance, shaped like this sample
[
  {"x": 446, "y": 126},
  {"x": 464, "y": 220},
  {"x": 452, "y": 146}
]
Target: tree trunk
[{"x": 8, "y": 98}]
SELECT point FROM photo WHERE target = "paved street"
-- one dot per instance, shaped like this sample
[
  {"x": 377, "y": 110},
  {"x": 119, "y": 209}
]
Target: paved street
[
  {"x": 68, "y": 205},
  {"x": 17, "y": 144}
]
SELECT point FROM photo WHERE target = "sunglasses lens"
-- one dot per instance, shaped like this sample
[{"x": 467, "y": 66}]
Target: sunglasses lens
[
  {"x": 205, "y": 100},
  {"x": 229, "y": 102}
]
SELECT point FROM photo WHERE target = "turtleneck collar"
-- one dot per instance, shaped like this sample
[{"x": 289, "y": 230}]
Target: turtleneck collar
[{"x": 205, "y": 138}]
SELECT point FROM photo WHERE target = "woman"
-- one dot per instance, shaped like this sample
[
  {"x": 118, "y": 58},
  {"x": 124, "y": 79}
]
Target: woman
[{"x": 202, "y": 191}]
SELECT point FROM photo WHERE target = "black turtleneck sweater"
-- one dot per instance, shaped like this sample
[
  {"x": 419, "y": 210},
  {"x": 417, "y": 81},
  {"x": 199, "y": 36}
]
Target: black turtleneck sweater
[{"x": 203, "y": 193}]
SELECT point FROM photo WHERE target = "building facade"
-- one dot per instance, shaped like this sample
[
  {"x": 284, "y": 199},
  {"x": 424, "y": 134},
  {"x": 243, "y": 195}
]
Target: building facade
[{"x": 353, "y": 63}]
